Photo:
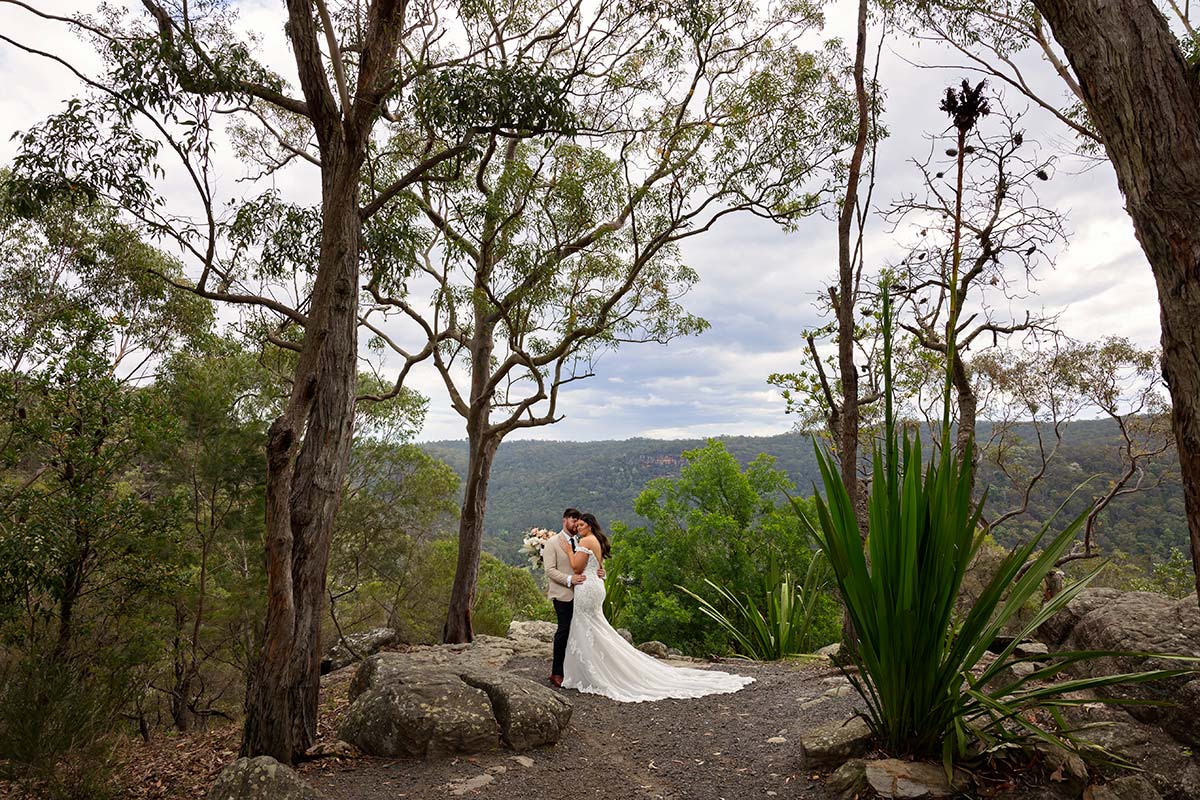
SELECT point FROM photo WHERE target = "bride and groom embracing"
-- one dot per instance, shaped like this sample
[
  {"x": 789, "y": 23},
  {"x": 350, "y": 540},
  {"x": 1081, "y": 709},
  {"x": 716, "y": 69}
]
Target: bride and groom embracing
[{"x": 589, "y": 654}]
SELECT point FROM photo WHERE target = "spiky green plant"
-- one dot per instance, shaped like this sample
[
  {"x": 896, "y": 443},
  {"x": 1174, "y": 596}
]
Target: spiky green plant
[
  {"x": 782, "y": 625},
  {"x": 916, "y": 662}
]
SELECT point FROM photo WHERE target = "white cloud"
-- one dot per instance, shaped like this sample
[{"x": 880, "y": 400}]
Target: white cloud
[{"x": 758, "y": 284}]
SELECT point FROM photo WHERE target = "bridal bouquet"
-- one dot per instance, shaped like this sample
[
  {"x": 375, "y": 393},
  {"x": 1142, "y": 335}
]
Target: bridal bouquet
[{"x": 531, "y": 546}]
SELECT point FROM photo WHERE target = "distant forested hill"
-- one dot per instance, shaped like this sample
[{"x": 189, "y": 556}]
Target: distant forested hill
[{"x": 533, "y": 481}]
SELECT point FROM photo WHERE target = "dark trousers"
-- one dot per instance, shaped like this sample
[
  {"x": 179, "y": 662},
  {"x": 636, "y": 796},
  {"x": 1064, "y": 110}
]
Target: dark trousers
[{"x": 564, "y": 610}]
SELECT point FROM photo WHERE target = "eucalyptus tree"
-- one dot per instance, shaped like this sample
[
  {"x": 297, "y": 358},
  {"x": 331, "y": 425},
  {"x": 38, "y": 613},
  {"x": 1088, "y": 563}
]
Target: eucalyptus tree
[
  {"x": 179, "y": 81},
  {"x": 1143, "y": 95},
  {"x": 86, "y": 548},
  {"x": 1032, "y": 395},
  {"x": 555, "y": 247}
]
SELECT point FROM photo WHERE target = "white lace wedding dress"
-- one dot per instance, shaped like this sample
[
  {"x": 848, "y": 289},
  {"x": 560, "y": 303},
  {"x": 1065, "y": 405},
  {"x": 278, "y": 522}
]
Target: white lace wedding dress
[{"x": 600, "y": 661}]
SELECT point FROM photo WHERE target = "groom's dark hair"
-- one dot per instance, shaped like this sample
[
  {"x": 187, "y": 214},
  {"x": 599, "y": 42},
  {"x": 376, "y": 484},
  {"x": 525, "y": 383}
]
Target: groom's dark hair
[{"x": 572, "y": 513}]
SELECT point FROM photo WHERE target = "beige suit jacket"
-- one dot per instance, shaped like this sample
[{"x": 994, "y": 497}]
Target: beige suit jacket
[{"x": 558, "y": 569}]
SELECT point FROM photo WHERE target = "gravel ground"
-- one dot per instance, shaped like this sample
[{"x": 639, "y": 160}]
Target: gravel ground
[{"x": 724, "y": 746}]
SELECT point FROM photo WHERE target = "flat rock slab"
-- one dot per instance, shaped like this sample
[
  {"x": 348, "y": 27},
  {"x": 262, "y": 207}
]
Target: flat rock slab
[
  {"x": 261, "y": 778},
  {"x": 835, "y": 743},
  {"x": 355, "y": 646},
  {"x": 424, "y": 713},
  {"x": 907, "y": 780},
  {"x": 1169, "y": 765},
  {"x": 1130, "y": 787}
]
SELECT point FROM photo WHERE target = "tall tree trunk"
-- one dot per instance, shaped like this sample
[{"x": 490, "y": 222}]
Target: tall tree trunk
[
  {"x": 844, "y": 421},
  {"x": 844, "y": 297},
  {"x": 483, "y": 449},
  {"x": 308, "y": 450},
  {"x": 1145, "y": 99}
]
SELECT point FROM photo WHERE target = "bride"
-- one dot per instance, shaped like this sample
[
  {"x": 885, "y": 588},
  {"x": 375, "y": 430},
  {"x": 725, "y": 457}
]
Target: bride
[{"x": 600, "y": 661}]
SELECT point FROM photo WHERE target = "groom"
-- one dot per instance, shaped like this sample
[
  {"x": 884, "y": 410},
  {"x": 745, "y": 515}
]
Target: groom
[{"x": 561, "y": 581}]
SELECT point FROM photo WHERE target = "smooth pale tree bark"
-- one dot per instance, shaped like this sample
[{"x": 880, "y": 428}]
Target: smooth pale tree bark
[{"x": 1144, "y": 98}]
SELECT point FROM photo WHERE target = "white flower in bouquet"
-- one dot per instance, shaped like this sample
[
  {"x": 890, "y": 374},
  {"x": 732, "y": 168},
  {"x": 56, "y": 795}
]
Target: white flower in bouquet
[{"x": 531, "y": 546}]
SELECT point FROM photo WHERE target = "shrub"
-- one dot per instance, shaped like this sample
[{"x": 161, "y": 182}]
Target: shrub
[
  {"x": 784, "y": 619},
  {"x": 916, "y": 661}
]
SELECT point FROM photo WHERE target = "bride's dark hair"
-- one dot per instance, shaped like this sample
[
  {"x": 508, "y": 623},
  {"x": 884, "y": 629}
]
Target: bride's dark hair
[{"x": 594, "y": 524}]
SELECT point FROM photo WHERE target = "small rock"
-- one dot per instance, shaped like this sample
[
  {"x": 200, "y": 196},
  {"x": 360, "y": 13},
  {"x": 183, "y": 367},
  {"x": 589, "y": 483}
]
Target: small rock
[
  {"x": 850, "y": 779},
  {"x": 261, "y": 778},
  {"x": 776, "y": 740},
  {"x": 498, "y": 769},
  {"x": 654, "y": 648},
  {"x": 1026, "y": 649},
  {"x": 830, "y": 651},
  {"x": 673, "y": 653},
  {"x": 524, "y": 761},
  {"x": 834, "y": 743},
  {"x": 334, "y": 749},
  {"x": 462, "y": 786},
  {"x": 625, "y": 634}
]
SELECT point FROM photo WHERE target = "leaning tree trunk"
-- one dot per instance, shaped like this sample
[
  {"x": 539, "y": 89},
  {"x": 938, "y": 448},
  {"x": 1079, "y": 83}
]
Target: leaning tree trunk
[
  {"x": 968, "y": 410},
  {"x": 308, "y": 450},
  {"x": 470, "y": 534},
  {"x": 1145, "y": 99}
]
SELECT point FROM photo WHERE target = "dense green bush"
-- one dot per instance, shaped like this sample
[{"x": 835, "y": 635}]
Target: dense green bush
[{"x": 716, "y": 522}]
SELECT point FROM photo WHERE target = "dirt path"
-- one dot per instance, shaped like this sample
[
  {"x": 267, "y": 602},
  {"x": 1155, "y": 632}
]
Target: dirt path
[
  {"x": 742, "y": 745},
  {"x": 727, "y": 746}
]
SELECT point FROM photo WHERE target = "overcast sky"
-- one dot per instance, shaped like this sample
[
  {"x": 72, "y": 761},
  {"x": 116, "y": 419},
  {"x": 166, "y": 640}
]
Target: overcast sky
[{"x": 757, "y": 284}]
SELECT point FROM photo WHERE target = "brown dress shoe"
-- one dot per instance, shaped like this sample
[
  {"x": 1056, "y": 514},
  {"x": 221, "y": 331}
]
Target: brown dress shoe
[{"x": 556, "y": 681}]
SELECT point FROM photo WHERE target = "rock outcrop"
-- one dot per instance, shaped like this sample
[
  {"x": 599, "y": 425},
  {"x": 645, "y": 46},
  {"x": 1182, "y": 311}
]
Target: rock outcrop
[{"x": 1107, "y": 619}]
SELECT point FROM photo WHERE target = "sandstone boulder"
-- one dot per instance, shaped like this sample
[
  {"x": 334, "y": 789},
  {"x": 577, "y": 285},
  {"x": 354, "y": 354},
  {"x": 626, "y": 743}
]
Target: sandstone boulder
[
  {"x": 261, "y": 778},
  {"x": 654, "y": 648},
  {"x": 834, "y": 743},
  {"x": 402, "y": 707},
  {"x": 1129, "y": 787},
  {"x": 1105, "y": 619},
  {"x": 532, "y": 629},
  {"x": 424, "y": 713},
  {"x": 529, "y": 714},
  {"x": 1169, "y": 766}
]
